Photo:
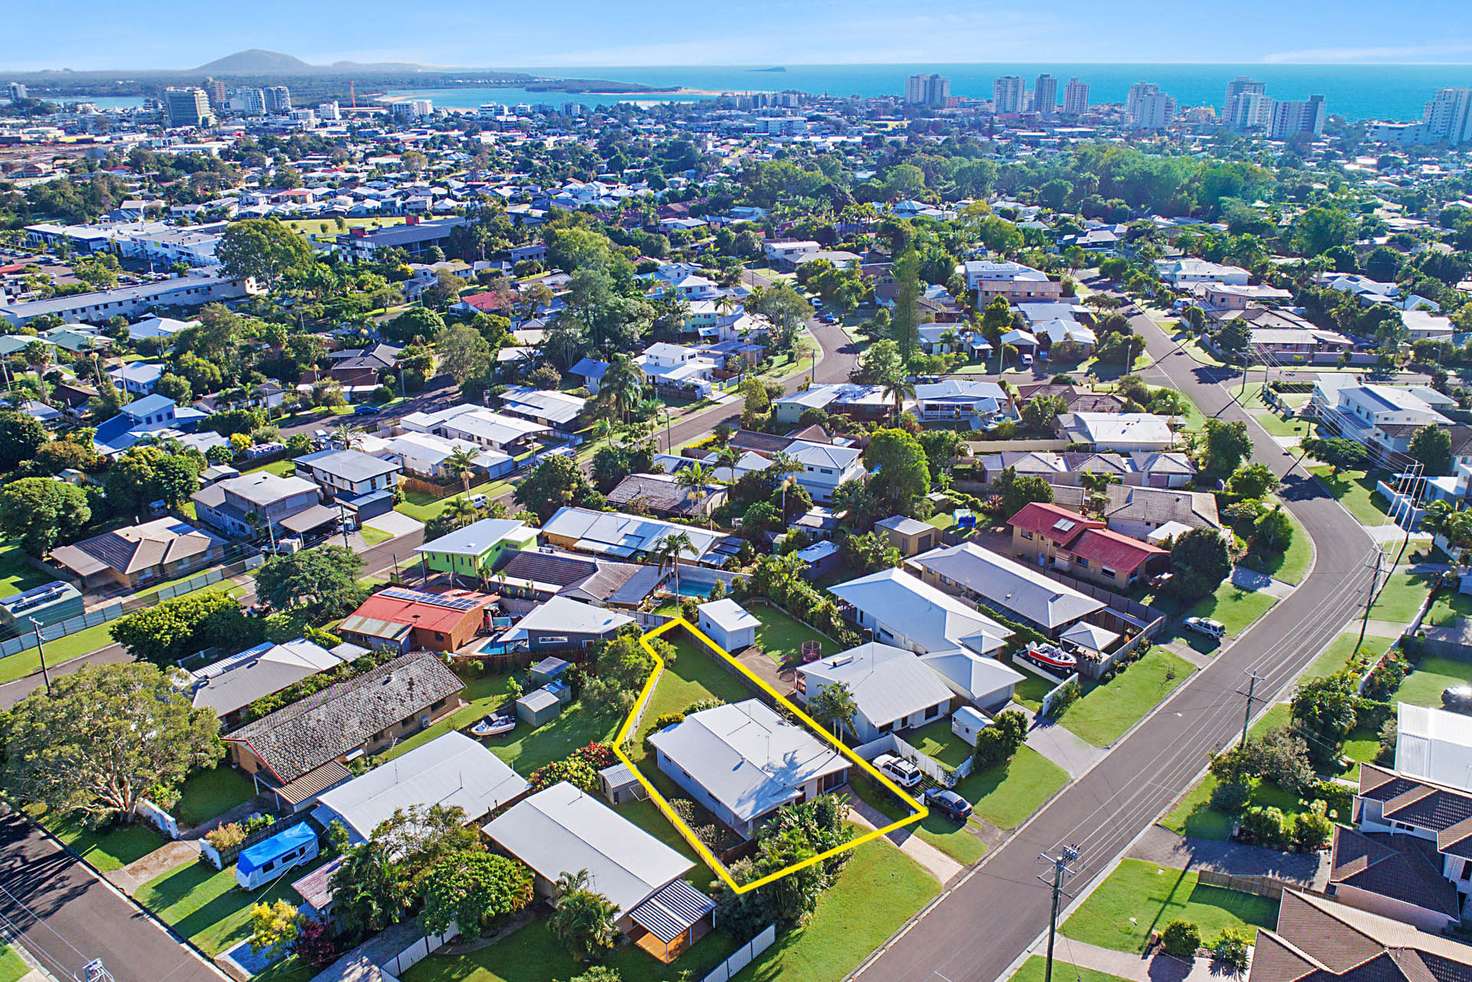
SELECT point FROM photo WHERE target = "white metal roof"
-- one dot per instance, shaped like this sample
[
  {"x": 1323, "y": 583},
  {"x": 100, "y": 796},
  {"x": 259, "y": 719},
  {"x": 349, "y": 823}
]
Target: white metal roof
[
  {"x": 728, "y": 615},
  {"x": 564, "y": 830},
  {"x": 887, "y": 683},
  {"x": 1009, "y": 584},
  {"x": 932, "y": 619}
]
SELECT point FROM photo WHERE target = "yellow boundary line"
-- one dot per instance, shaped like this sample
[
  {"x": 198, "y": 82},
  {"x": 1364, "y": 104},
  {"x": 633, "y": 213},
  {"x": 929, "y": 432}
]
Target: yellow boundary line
[{"x": 719, "y": 868}]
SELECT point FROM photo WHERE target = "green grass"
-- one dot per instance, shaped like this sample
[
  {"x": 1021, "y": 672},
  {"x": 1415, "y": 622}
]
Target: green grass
[
  {"x": 423, "y": 507},
  {"x": 1448, "y": 608},
  {"x": 16, "y": 573},
  {"x": 1006, "y": 795},
  {"x": 1355, "y": 491},
  {"x": 1031, "y": 690},
  {"x": 1106, "y": 711},
  {"x": 107, "y": 850},
  {"x": 936, "y": 740},
  {"x": 942, "y": 521},
  {"x": 373, "y": 536},
  {"x": 58, "y": 652},
  {"x": 1193, "y": 815},
  {"x": 1236, "y": 609},
  {"x": 1291, "y": 565},
  {"x": 1402, "y": 596},
  {"x": 846, "y": 926},
  {"x": 1034, "y": 970},
  {"x": 1341, "y": 650},
  {"x": 207, "y": 907},
  {"x": 328, "y": 227},
  {"x": 1140, "y": 897},
  {"x": 209, "y": 793},
  {"x": 1423, "y": 686},
  {"x": 13, "y": 968},
  {"x": 781, "y": 636},
  {"x": 695, "y": 675},
  {"x": 281, "y": 468},
  {"x": 959, "y": 840}
]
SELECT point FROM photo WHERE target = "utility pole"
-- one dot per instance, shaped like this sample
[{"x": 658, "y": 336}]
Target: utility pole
[
  {"x": 1252, "y": 679},
  {"x": 1370, "y": 599},
  {"x": 41, "y": 651},
  {"x": 1061, "y": 871}
]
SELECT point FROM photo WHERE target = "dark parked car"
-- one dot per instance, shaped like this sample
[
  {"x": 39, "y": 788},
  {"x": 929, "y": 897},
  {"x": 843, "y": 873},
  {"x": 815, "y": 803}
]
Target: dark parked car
[
  {"x": 948, "y": 803},
  {"x": 366, "y": 409}
]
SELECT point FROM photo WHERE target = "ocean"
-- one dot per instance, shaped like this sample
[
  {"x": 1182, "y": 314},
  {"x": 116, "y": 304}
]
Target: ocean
[{"x": 1352, "y": 91}]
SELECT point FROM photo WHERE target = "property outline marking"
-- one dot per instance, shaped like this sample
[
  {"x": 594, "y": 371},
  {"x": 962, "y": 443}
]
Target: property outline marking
[{"x": 688, "y": 834}]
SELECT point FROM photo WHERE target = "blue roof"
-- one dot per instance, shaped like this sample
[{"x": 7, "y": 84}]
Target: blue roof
[
  {"x": 148, "y": 405},
  {"x": 589, "y": 368},
  {"x": 278, "y": 845}
]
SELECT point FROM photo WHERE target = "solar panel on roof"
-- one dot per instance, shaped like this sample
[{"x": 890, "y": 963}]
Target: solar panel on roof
[
  {"x": 1063, "y": 525},
  {"x": 435, "y": 600}
]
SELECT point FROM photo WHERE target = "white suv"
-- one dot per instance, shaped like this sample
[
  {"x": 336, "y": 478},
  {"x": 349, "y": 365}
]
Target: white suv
[{"x": 898, "y": 770}]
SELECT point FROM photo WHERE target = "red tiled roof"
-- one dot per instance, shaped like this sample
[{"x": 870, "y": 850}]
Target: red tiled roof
[
  {"x": 487, "y": 300},
  {"x": 421, "y": 614},
  {"x": 1052, "y": 522},
  {"x": 1105, "y": 547}
]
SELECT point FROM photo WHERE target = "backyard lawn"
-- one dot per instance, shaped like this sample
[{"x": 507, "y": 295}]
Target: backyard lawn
[
  {"x": 1032, "y": 970},
  {"x": 281, "y": 468},
  {"x": 695, "y": 675},
  {"x": 16, "y": 572},
  {"x": 1106, "y": 711},
  {"x": 781, "y": 636},
  {"x": 209, "y": 793},
  {"x": 1422, "y": 687},
  {"x": 1140, "y": 897},
  {"x": 844, "y": 929},
  {"x": 424, "y": 507},
  {"x": 107, "y": 850},
  {"x": 1355, "y": 491}
]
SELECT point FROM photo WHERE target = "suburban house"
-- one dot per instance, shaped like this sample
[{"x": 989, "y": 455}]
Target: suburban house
[
  {"x": 849, "y": 398},
  {"x": 563, "y": 829},
  {"x": 425, "y": 455},
  {"x": 788, "y": 254},
  {"x": 1186, "y": 271},
  {"x": 1071, "y": 543},
  {"x": 232, "y": 684},
  {"x": 661, "y": 494},
  {"x": 1383, "y": 416},
  {"x": 563, "y": 622},
  {"x": 138, "y": 378},
  {"x": 413, "y": 620},
  {"x": 743, "y": 761},
  {"x": 1005, "y": 585},
  {"x": 910, "y": 536},
  {"x": 474, "y": 550},
  {"x": 974, "y": 404},
  {"x": 152, "y": 416},
  {"x": 362, "y": 367},
  {"x": 1277, "y": 336},
  {"x": 163, "y": 549},
  {"x": 1318, "y": 940},
  {"x": 1146, "y": 513},
  {"x": 1410, "y": 854},
  {"x": 678, "y": 367},
  {"x": 361, "y": 244},
  {"x": 357, "y": 479},
  {"x": 452, "y": 770},
  {"x": 1119, "y": 432},
  {"x": 825, "y": 466},
  {"x": 622, "y": 536},
  {"x": 475, "y": 424},
  {"x": 901, "y": 609},
  {"x": 1149, "y": 468},
  {"x": 541, "y": 574},
  {"x": 264, "y": 504},
  {"x": 555, "y": 409},
  {"x": 893, "y": 690},
  {"x": 989, "y": 278},
  {"x": 299, "y": 751}
]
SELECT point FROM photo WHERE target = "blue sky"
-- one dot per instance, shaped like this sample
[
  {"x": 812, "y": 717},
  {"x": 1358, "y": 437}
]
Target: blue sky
[{"x": 90, "y": 34}]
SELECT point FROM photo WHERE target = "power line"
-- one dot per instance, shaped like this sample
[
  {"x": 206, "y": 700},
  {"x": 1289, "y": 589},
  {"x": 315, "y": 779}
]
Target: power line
[{"x": 1061, "y": 872}]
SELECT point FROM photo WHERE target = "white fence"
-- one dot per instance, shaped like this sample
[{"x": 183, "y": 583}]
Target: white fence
[
  {"x": 929, "y": 766},
  {"x": 157, "y": 817},
  {"x": 415, "y": 953},
  {"x": 743, "y": 956}
]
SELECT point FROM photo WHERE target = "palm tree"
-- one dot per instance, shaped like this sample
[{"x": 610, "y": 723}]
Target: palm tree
[
  {"x": 623, "y": 384},
  {"x": 834, "y": 707},
  {"x": 461, "y": 511},
  {"x": 669, "y": 549},
  {"x": 728, "y": 457},
  {"x": 694, "y": 478},
  {"x": 346, "y": 437},
  {"x": 461, "y": 463},
  {"x": 899, "y": 389},
  {"x": 584, "y": 919},
  {"x": 784, "y": 464},
  {"x": 602, "y": 429}
]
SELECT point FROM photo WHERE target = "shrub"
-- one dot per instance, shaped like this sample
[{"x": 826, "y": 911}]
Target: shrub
[
  {"x": 255, "y": 823},
  {"x": 700, "y": 705},
  {"x": 226, "y": 836},
  {"x": 1181, "y": 939},
  {"x": 1386, "y": 677},
  {"x": 1311, "y": 829},
  {"x": 998, "y": 742},
  {"x": 1230, "y": 797},
  {"x": 1230, "y": 949},
  {"x": 1264, "y": 827}
]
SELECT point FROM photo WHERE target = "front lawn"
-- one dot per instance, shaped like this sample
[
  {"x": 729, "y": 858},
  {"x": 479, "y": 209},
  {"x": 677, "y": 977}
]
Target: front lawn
[
  {"x": 1140, "y": 897},
  {"x": 781, "y": 636},
  {"x": 107, "y": 850},
  {"x": 1033, "y": 970},
  {"x": 1236, "y": 609},
  {"x": 1291, "y": 565},
  {"x": 423, "y": 507},
  {"x": 1342, "y": 650},
  {"x": 13, "y": 968},
  {"x": 1402, "y": 596},
  {"x": 1006, "y": 795},
  {"x": 1193, "y": 815},
  {"x": 1107, "y": 711},
  {"x": 208, "y": 907},
  {"x": 1355, "y": 490},
  {"x": 1031, "y": 690},
  {"x": 956, "y": 839},
  {"x": 1449, "y": 607},
  {"x": 213, "y": 792}
]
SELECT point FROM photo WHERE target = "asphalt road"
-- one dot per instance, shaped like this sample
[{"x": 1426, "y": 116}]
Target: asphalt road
[
  {"x": 982, "y": 924},
  {"x": 378, "y": 559},
  {"x": 66, "y": 916}
]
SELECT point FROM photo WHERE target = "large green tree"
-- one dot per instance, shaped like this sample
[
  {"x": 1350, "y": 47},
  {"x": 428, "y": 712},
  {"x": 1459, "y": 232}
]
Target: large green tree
[
  {"x": 556, "y": 481},
  {"x": 21, "y": 435},
  {"x": 39, "y": 512},
  {"x": 1199, "y": 563},
  {"x": 471, "y": 889},
  {"x": 901, "y": 472},
  {"x": 168, "y": 631},
  {"x": 265, "y": 249},
  {"x": 102, "y": 738},
  {"x": 1431, "y": 446},
  {"x": 324, "y": 578}
]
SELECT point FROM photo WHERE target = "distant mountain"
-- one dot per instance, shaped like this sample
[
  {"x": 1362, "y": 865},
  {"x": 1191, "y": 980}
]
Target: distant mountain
[{"x": 256, "y": 62}]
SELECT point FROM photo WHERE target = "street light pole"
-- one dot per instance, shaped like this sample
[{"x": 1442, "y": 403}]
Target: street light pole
[{"x": 41, "y": 651}]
